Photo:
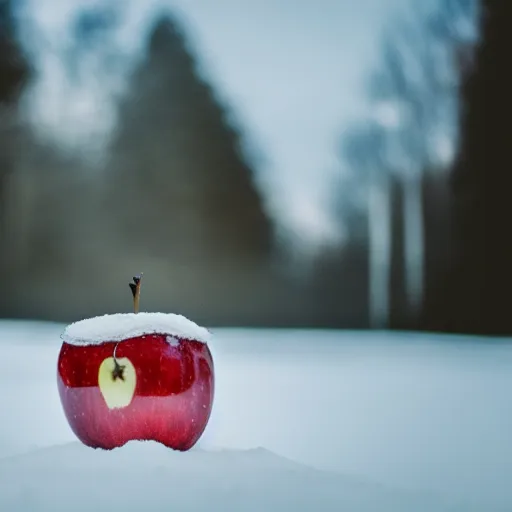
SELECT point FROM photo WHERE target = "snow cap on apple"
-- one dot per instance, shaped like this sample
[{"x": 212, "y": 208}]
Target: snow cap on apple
[{"x": 136, "y": 376}]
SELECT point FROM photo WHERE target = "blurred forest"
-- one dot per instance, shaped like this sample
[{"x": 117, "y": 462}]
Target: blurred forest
[{"x": 424, "y": 193}]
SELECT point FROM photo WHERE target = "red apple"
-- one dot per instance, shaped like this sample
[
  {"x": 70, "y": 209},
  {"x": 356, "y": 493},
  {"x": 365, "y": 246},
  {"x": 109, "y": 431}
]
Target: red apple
[{"x": 156, "y": 386}]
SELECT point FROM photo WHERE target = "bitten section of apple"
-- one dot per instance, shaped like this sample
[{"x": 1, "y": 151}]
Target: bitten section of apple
[
  {"x": 117, "y": 380},
  {"x": 159, "y": 391}
]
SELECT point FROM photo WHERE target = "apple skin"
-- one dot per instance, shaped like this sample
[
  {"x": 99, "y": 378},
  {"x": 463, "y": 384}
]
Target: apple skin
[{"x": 172, "y": 399}]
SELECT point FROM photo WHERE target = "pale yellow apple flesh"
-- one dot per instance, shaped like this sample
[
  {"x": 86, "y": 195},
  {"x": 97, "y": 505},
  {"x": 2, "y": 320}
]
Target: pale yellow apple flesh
[{"x": 117, "y": 392}]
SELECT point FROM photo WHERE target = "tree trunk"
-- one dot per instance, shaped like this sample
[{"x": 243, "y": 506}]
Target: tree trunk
[
  {"x": 379, "y": 218},
  {"x": 481, "y": 281},
  {"x": 413, "y": 244}
]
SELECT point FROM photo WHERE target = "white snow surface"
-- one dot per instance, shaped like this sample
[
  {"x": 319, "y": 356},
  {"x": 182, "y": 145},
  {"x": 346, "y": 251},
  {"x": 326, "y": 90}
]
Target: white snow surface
[
  {"x": 121, "y": 326},
  {"x": 303, "y": 421},
  {"x": 147, "y": 476}
]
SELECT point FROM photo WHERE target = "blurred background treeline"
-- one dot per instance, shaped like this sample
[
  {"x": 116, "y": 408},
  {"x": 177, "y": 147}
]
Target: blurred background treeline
[{"x": 420, "y": 196}]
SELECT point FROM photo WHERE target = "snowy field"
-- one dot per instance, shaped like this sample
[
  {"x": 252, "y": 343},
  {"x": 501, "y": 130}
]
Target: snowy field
[{"x": 302, "y": 421}]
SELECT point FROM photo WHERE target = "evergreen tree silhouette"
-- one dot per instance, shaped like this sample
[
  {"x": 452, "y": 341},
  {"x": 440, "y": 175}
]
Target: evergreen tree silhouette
[
  {"x": 14, "y": 69},
  {"x": 177, "y": 154},
  {"x": 180, "y": 198},
  {"x": 14, "y": 73}
]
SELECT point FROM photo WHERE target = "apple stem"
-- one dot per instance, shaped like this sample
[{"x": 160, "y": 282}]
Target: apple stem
[
  {"x": 135, "y": 288},
  {"x": 118, "y": 371}
]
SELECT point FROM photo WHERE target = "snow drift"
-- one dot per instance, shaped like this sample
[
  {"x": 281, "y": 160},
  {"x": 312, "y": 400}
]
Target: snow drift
[
  {"x": 147, "y": 476},
  {"x": 411, "y": 412}
]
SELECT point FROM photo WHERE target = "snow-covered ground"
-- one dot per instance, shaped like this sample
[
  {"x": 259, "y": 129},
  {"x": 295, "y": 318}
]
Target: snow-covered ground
[{"x": 303, "y": 421}]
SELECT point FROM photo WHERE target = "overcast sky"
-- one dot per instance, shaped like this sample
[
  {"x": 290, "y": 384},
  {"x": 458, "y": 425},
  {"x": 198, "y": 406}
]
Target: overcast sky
[{"x": 291, "y": 70}]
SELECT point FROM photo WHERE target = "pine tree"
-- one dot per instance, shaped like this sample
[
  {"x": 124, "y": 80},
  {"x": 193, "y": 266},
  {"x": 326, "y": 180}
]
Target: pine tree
[
  {"x": 174, "y": 143},
  {"x": 180, "y": 195},
  {"x": 14, "y": 73},
  {"x": 14, "y": 69}
]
